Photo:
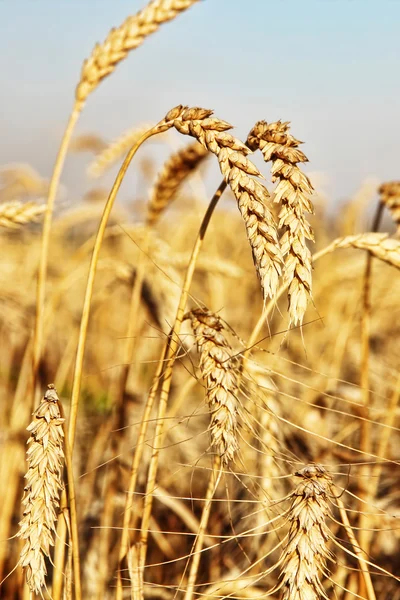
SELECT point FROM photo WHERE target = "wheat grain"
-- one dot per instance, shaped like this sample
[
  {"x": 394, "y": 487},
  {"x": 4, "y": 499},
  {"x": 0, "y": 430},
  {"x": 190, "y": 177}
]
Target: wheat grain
[
  {"x": 251, "y": 195},
  {"x": 378, "y": 244},
  {"x": 42, "y": 490},
  {"x": 124, "y": 38},
  {"x": 305, "y": 553},
  {"x": 114, "y": 151},
  {"x": 390, "y": 197},
  {"x": 293, "y": 193},
  {"x": 220, "y": 374},
  {"x": 15, "y": 213},
  {"x": 173, "y": 173}
]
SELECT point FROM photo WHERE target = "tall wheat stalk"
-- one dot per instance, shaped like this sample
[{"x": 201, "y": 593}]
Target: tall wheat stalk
[{"x": 100, "y": 64}]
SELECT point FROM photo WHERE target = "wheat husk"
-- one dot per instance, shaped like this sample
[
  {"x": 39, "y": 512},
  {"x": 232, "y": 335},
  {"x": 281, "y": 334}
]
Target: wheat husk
[
  {"x": 111, "y": 153},
  {"x": 45, "y": 458},
  {"x": 293, "y": 195},
  {"x": 121, "y": 40},
  {"x": 174, "y": 172},
  {"x": 390, "y": 197},
  {"x": 251, "y": 195},
  {"x": 220, "y": 372},
  {"x": 14, "y": 214},
  {"x": 305, "y": 553},
  {"x": 380, "y": 245}
]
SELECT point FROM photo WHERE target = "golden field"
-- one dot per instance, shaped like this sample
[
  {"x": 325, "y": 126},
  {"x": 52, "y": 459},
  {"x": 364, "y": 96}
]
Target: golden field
[{"x": 224, "y": 421}]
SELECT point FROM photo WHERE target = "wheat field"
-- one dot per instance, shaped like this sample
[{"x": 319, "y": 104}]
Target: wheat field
[{"x": 199, "y": 399}]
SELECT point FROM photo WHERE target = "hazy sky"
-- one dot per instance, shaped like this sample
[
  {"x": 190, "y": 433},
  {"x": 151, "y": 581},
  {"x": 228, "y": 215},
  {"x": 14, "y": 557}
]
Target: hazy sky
[{"x": 331, "y": 67}]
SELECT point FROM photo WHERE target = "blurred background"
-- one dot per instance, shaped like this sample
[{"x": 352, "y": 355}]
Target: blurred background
[{"x": 328, "y": 66}]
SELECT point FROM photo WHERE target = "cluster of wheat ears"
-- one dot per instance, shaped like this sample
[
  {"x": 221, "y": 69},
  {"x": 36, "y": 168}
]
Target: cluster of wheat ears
[{"x": 285, "y": 485}]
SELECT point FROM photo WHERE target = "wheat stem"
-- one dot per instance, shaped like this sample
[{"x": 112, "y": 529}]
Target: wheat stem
[
  {"x": 196, "y": 551},
  {"x": 364, "y": 491},
  {"x": 137, "y": 457},
  {"x": 44, "y": 252},
  {"x": 170, "y": 357},
  {"x": 357, "y": 550}
]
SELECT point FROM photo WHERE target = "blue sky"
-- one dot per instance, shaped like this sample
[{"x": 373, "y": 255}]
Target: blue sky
[{"x": 331, "y": 67}]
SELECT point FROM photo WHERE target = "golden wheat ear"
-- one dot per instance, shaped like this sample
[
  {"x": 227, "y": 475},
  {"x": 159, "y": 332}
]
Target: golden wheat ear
[
  {"x": 390, "y": 197},
  {"x": 174, "y": 172},
  {"x": 220, "y": 372},
  {"x": 305, "y": 553},
  {"x": 45, "y": 458},
  {"x": 14, "y": 214},
  {"x": 293, "y": 194},
  {"x": 252, "y": 197}
]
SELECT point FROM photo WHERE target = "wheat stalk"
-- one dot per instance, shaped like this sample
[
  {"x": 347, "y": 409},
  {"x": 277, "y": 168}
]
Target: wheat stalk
[
  {"x": 101, "y": 63},
  {"x": 175, "y": 170},
  {"x": 390, "y": 197},
  {"x": 42, "y": 490},
  {"x": 305, "y": 553},
  {"x": 293, "y": 193},
  {"x": 251, "y": 195},
  {"x": 114, "y": 151},
  {"x": 220, "y": 373},
  {"x": 15, "y": 213},
  {"x": 123, "y": 39}
]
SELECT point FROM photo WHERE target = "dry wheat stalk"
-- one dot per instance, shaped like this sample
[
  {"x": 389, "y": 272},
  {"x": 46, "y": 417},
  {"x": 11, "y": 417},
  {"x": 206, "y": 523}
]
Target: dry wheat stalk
[
  {"x": 378, "y": 244},
  {"x": 390, "y": 197},
  {"x": 175, "y": 170},
  {"x": 45, "y": 458},
  {"x": 124, "y": 38},
  {"x": 293, "y": 193},
  {"x": 114, "y": 151},
  {"x": 221, "y": 376},
  {"x": 305, "y": 553},
  {"x": 15, "y": 213},
  {"x": 251, "y": 195}
]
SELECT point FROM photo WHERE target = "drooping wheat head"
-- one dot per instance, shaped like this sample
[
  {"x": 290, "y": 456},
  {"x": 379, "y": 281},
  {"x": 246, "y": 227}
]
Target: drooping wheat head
[
  {"x": 304, "y": 557},
  {"x": 45, "y": 458},
  {"x": 293, "y": 194},
  {"x": 15, "y": 213},
  {"x": 380, "y": 245},
  {"x": 220, "y": 372},
  {"x": 390, "y": 197},
  {"x": 175, "y": 170},
  {"x": 251, "y": 195},
  {"x": 124, "y": 38}
]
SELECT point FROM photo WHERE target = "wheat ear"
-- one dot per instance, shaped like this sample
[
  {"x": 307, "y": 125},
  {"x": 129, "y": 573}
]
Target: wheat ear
[
  {"x": 378, "y": 244},
  {"x": 293, "y": 194},
  {"x": 390, "y": 197},
  {"x": 121, "y": 40},
  {"x": 42, "y": 490},
  {"x": 251, "y": 195},
  {"x": 305, "y": 553},
  {"x": 220, "y": 373},
  {"x": 114, "y": 151},
  {"x": 15, "y": 213},
  {"x": 175, "y": 170}
]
